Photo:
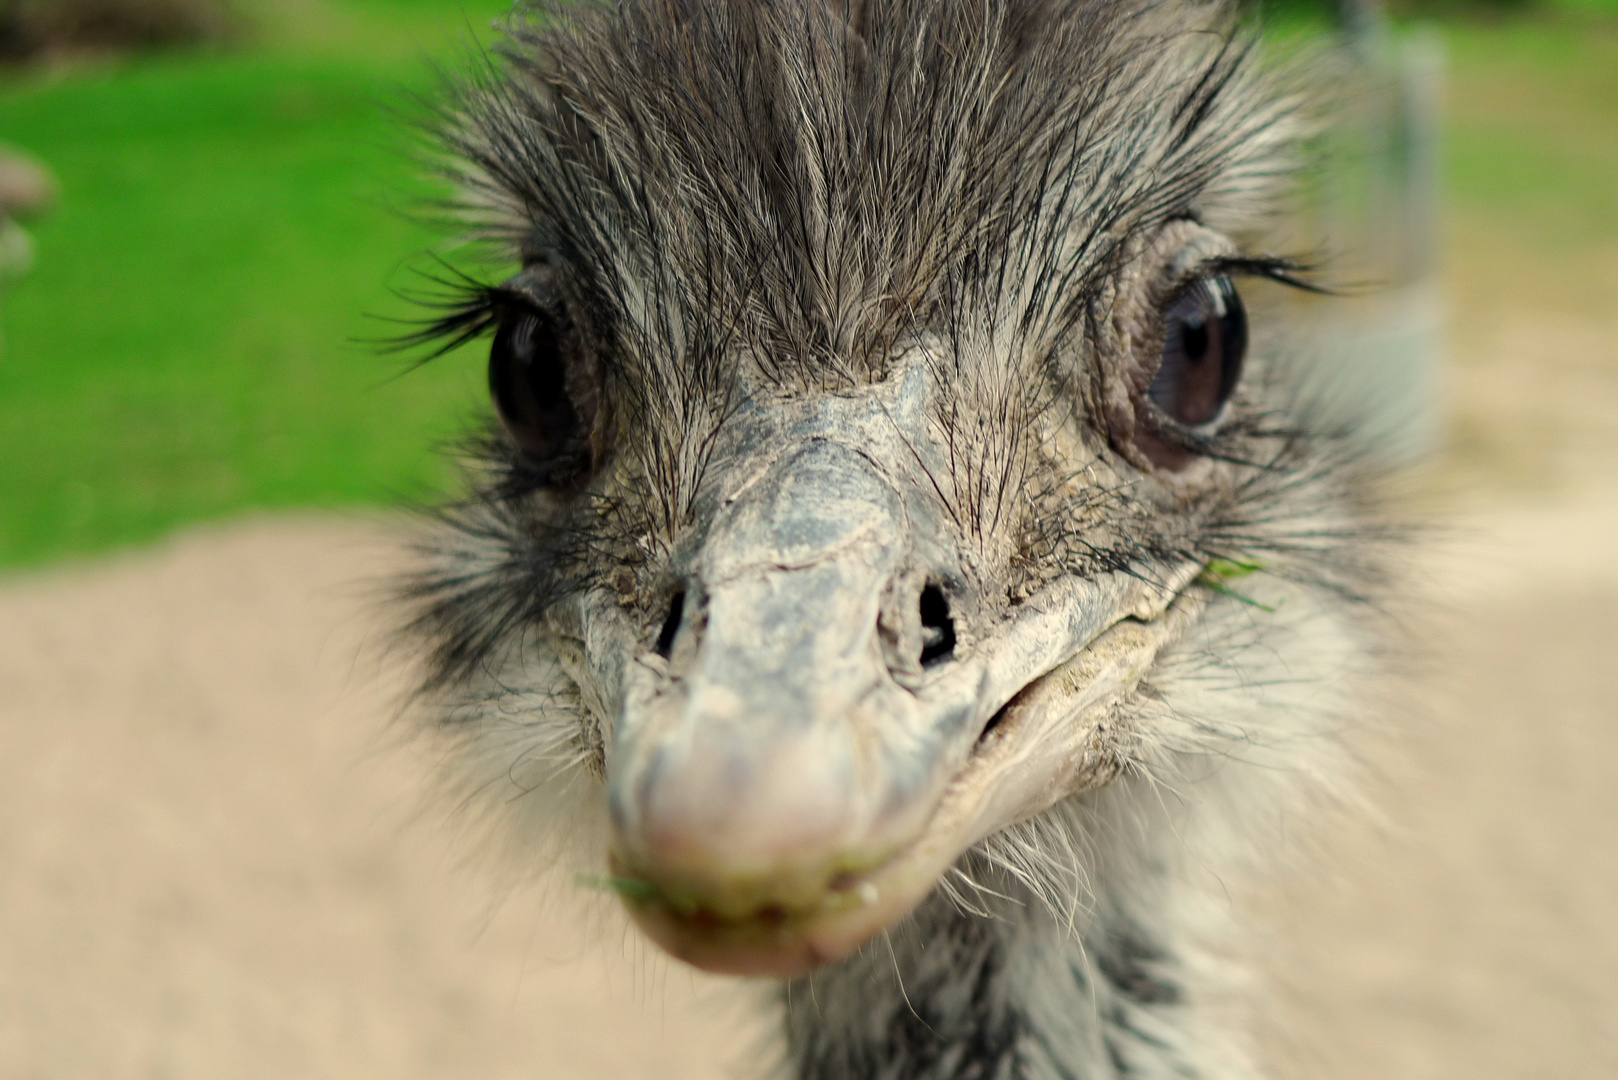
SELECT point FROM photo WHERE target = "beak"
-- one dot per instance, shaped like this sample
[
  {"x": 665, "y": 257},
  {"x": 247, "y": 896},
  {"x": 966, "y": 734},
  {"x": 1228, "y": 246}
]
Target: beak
[{"x": 829, "y": 728}]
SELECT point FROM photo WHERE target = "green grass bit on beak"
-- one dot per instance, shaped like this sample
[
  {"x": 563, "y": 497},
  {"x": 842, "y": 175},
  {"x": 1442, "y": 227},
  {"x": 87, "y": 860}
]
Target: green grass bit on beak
[
  {"x": 630, "y": 888},
  {"x": 1221, "y": 570}
]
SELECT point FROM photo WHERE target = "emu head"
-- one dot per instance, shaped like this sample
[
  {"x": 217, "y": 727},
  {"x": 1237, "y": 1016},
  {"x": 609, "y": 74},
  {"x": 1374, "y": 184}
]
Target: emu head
[{"x": 874, "y": 407}]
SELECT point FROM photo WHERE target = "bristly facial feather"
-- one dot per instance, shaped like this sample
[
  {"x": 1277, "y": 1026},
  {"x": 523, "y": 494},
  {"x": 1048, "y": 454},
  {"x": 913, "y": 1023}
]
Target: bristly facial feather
[{"x": 767, "y": 185}]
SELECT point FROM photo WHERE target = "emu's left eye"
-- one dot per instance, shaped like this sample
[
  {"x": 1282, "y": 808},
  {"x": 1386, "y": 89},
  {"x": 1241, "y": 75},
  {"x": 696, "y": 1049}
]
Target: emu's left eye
[
  {"x": 1204, "y": 340},
  {"x": 545, "y": 381},
  {"x": 528, "y": 377}
]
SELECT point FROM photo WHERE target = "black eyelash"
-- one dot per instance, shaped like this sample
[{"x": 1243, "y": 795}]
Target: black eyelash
[
  {"x": 464, "y": 310},
  {"x": 1279, "y": 269}
]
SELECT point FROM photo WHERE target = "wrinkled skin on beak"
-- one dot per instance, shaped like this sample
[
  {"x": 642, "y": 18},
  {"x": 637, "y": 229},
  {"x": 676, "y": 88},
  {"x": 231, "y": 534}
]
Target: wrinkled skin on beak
[{"x": 813, "y": 739}]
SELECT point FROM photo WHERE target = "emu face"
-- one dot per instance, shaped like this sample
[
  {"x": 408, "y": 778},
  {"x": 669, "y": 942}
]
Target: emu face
[
  {"x": 875, "y": 409},
  {"x": 842, "y": 697}
]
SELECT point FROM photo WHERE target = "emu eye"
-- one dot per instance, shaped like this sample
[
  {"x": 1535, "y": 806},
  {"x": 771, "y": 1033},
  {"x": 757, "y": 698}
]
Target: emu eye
[
  {"x": 1204, "y": 340},
  {"x": 543, "y": 385}
]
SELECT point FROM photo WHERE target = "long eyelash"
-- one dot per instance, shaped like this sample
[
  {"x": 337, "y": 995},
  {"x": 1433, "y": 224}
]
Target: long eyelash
[
  {"x": 463, "y": 308},
  {"x": 458, "y": 320},
  {"x": 1279, "y": 269}
]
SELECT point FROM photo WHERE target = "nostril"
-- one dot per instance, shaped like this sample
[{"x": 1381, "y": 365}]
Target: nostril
[
  {"x": 671, "y": 626},
  {"x": 937, "y": 628}
]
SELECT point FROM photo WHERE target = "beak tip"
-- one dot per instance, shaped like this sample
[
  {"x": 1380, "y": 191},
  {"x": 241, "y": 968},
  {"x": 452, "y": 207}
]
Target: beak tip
[{"x": 741, "y": 809}]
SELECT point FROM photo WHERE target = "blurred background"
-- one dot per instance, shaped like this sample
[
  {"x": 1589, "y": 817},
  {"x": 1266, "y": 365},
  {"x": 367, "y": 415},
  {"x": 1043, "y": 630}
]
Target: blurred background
[{"x": 210, "y": 863}]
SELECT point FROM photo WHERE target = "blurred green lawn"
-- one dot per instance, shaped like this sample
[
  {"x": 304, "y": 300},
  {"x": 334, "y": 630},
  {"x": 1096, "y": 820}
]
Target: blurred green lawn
[
  {"x": 230, "y": 225},
  {"x": 187, "y": 344}
]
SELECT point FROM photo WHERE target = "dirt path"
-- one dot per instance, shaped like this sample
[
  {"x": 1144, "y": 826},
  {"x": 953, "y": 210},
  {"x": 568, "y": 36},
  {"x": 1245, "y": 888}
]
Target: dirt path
[
  {"x": 209, "y": 869},
  {"x": 1475, "y": 934},
  {"x": 206, "y": 866}
]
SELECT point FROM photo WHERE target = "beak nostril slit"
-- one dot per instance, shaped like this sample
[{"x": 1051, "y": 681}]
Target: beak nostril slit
[
  {"x": 937, "y": 628},
  {"x": 671, "y": 626}
]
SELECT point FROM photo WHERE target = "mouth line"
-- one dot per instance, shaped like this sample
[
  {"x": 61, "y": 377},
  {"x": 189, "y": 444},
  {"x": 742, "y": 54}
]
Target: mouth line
[
  {"x": 1037, "y": 736},
  {"x": 1023, "y": 643},
  {"x": 1054, "y": 703}
]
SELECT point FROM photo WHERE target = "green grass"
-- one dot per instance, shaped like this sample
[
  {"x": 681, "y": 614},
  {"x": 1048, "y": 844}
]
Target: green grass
[
  {"x": 184, "y": 348},
  {"x": 1532, "y": 134},
  {"x": 1531, "y": 166}
]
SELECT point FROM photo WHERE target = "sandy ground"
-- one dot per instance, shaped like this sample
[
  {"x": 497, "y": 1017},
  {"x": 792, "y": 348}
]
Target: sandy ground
[
  {"x": 212, "y": 862},
  {"x": 209, "y": 865}
]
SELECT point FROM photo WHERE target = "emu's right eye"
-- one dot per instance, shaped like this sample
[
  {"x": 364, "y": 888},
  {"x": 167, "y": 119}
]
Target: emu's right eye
[
  {"x": 544, "y": 386},
  {"x": 1184, "y": 389},
  {"x": 1204, "y": 339}
]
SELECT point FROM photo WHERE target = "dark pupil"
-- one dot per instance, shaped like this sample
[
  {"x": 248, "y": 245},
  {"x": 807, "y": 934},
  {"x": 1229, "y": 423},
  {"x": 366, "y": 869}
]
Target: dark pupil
[
  {"x": 528, "y": 379},
  {"x": 1194, "y": 341},
  {"x": 1204, "y": 337}
]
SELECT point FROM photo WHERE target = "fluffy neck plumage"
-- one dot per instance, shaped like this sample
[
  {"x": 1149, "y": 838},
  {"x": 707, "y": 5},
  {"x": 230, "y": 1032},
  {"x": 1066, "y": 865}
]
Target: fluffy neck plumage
[{"x": 1017, "y": 995}]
